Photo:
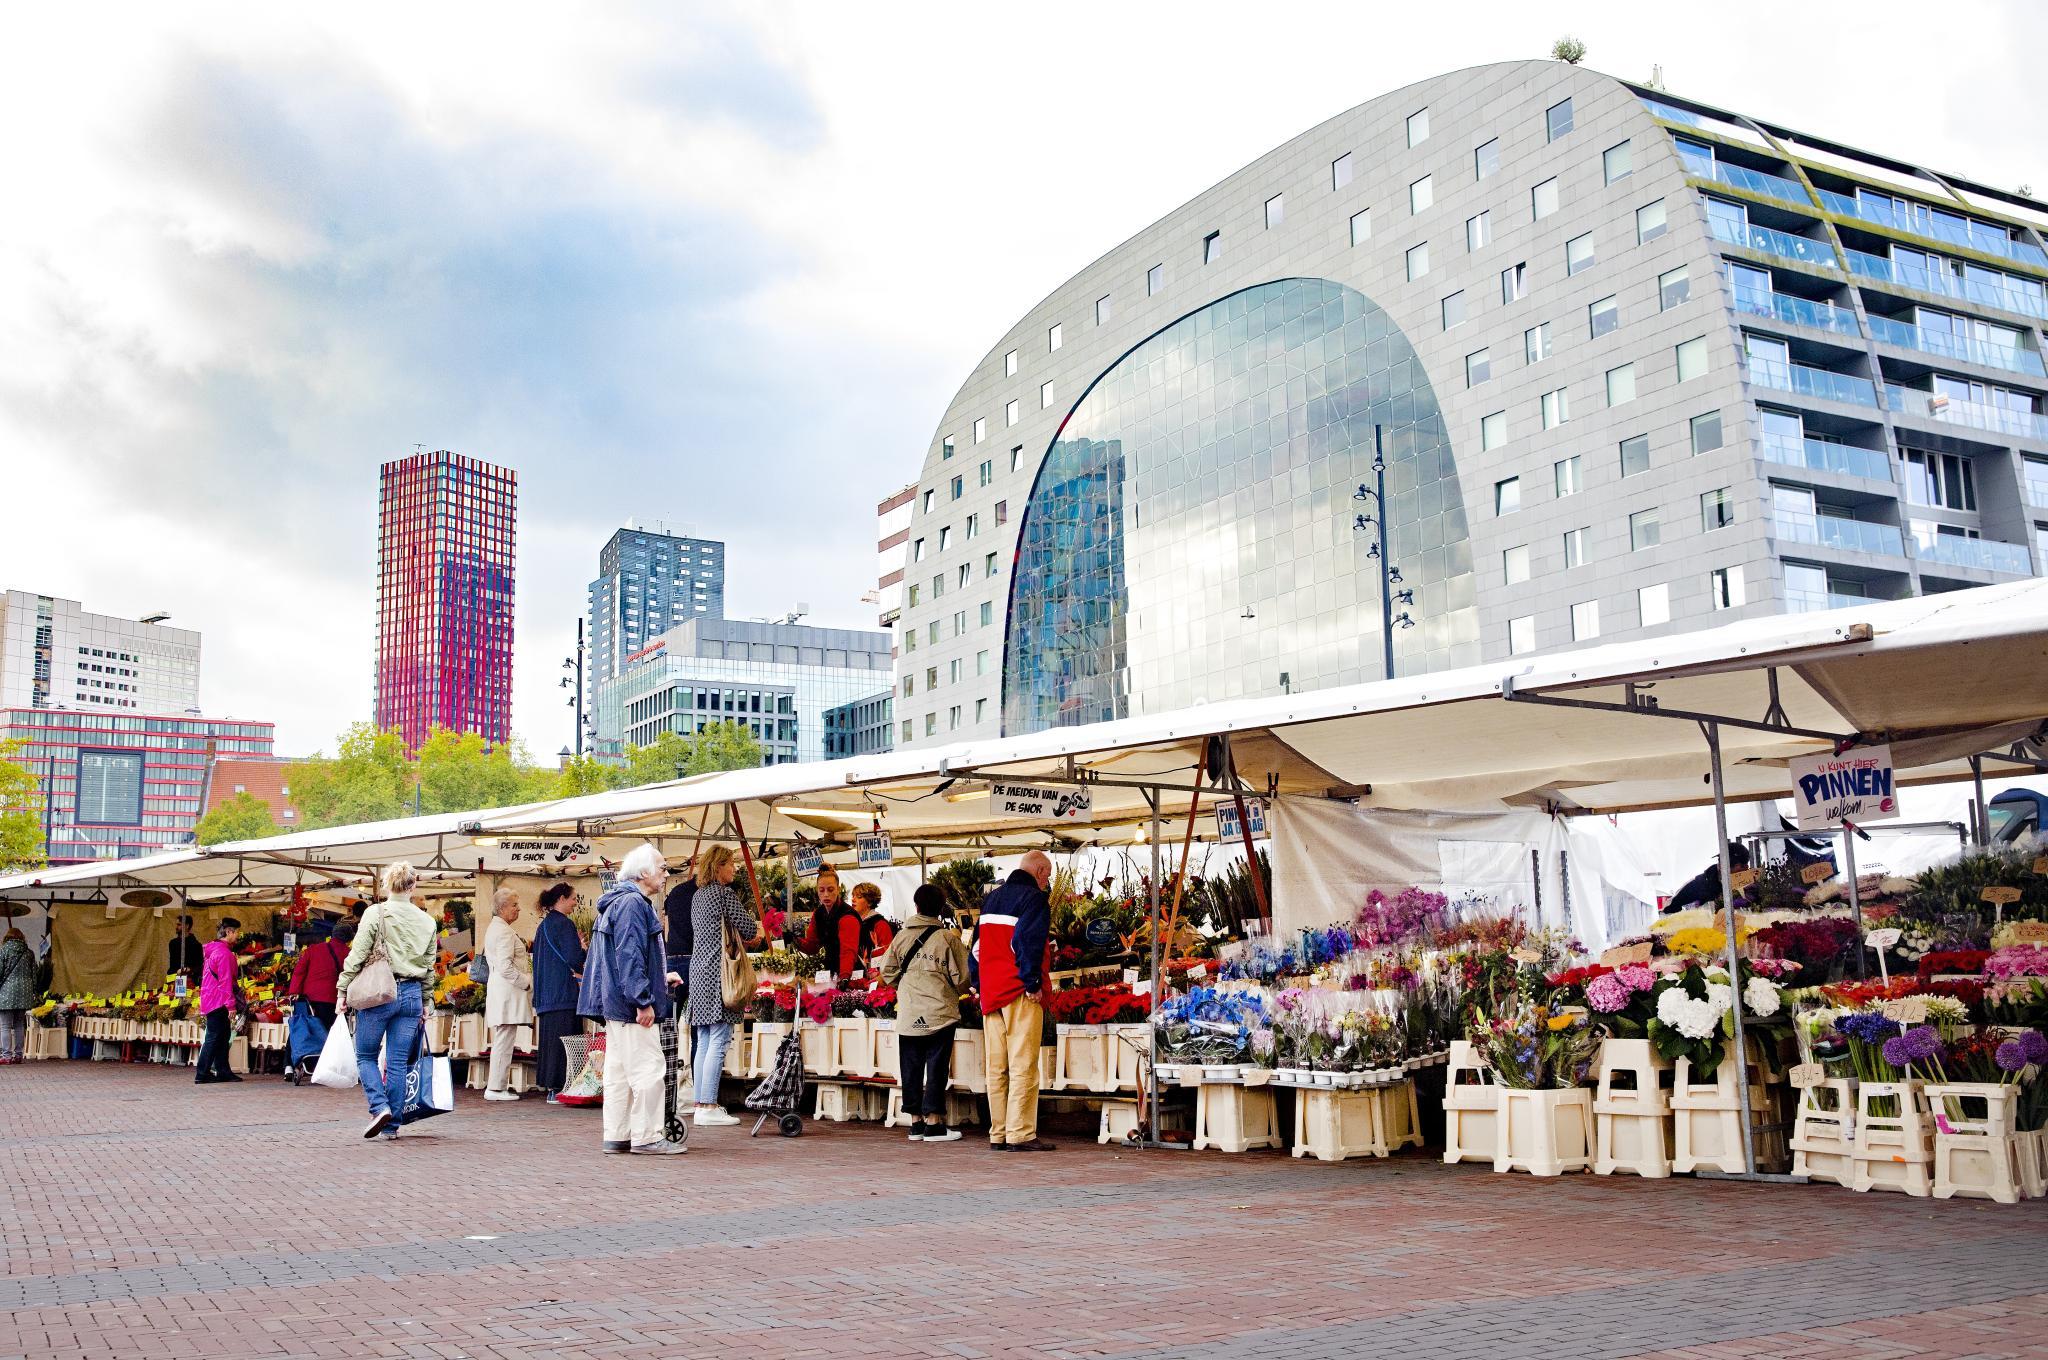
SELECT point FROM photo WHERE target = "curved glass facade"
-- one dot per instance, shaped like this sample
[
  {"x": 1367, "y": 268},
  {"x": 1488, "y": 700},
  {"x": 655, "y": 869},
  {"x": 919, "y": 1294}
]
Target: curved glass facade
[{"x": 1190, "y": 536}]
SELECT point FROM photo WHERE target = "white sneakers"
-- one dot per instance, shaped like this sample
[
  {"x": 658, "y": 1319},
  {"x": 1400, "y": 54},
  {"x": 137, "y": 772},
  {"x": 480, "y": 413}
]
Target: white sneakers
[
  {"x": 500, "y": 1095},
  {"x": 711, "y": 1116}
]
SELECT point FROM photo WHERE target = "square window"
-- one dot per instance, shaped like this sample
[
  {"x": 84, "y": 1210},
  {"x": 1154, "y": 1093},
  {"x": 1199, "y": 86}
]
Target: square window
[
  {"x": 1493, "y": 432},
  {"x": 1536, "y": 343},
  {"x": 1644, "y": 530},
  {"x": 1724, "y": 587},
  {"x": 980, "y": 709},
  {"x": 973, "y": 528},
  {"x": 1603, "y": 316},
  {"x": 1621, "y": 384},
  {"x": 1617, "y": 162},
  {"x": 1649, "y": 221},
  {"x": 1578, "y": 253},
  {"x": 1212, "y": 247},
  {"x": 1543, "y": 199},
  {"x": 1565, "y": 476},
  {"x": 1635, "y": 455},
  {"x": 981, "y": 663},
  {"x": 1010, "y": 364},
  {"x": 1417, "y": 259},
  {"x": 912, "y": 594},
  {"x": 1522, "y": 635},
  {"x": 1478, "y": 367},
  {"x": 1557, "y": 119},
  {"x": 1017, "y": 459},
  {"x": 1045, "y": 394},
  {"x": 945, "y": 538},
  {"x": 1717, "y": 509},
  {"x": 929, "y": 497},
  {"x": 1514, "y": 565},
  {"x": 1055, "y": 337},
  {"x": 1486, "y": 158},
  {"x": 1361, "y": 226},
  {"x": 1276, "y": 211},
  {"x": 1585, "y": 621},
  {"x": 1010, "y": 412},
  {"x": 1418, "y": 127},
  {"x": 932, "y": 631},
  {"x": 1454, "y": 309},
  {"x": 1155, "y": 279},
  {"x": 1557, "y": 408},
  {"x": 909, "y": 730},
  {"x": 1574, "y": 548},
  {"x": 1692, "y": 357},
  {"x": 931, "y": 724},
  {"x": 1102, "y": 310},
  {"x": 1653, "y": 605},
  {"x": 931, "y": 678},
  {"x": 1706, "y": 432},
  {"x": 1421, "y": 193},
  {"x": 980, "y": 428},
  {"x": 1340, "y": 171},
  {"x": 1673, "y": 287},
  {"x": 1002, "y": 512},
  {"x": 1478, "y": 231},
  {"x": 1507, "y": 495},
  {"x": 953, "y": 674},
  {"x": 917, "y": 550},
  {"x": 1514, "y": 283},
  {"x": 938, "y": 585}
]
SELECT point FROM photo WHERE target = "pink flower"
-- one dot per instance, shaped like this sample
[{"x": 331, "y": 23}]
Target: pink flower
[
  {"x": 1637, "y": 977},
  {"x": 2020, "y": 960},
  {"x": 1608, "y": 993}
]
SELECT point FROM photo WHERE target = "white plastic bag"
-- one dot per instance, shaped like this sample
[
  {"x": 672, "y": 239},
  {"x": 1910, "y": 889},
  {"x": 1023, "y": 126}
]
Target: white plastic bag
[{"x": 337, "y": 1065}]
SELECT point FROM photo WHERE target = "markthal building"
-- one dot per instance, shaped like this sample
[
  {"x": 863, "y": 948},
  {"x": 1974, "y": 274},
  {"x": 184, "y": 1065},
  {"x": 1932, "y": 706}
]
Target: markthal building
[{"x": 1634, "y": 365}]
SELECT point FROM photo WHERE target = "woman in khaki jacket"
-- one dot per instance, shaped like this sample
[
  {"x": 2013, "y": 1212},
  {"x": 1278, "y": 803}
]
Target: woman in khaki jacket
[{"x": 927, "y": 965}]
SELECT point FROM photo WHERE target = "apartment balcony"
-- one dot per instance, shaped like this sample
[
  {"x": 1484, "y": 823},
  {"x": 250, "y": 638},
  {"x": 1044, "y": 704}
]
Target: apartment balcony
[
  {"x": 1808, "y": 381},
  {"x": 1771, "y": 241},
  {"x": 1977, "y": 415},
  {"x": 1944, "y": 284},
  {"x": 1923, "y": 223},
  {"x": 1977, "y": 554},
  {"x": 1847, "y": 535},
  {"x": 1797, "y": 311},
  {"x": 1749, "y": 181},
  {"x": 1819, "y": 455},
  {"x": 2011, "y": 358},
  {"x": 1816, "y": 601}
]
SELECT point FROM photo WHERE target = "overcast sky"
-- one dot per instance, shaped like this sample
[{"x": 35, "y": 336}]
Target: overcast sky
[{"x": 721, "y": 266}]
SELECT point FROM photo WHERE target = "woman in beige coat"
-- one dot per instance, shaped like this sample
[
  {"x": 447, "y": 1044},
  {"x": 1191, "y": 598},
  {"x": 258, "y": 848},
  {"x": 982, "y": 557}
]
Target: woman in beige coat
[{"x": 508, "y": 995}]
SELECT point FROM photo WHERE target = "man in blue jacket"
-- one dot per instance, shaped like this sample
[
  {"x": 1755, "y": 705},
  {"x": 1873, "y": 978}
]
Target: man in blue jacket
[{"x": 626, "y": 981}]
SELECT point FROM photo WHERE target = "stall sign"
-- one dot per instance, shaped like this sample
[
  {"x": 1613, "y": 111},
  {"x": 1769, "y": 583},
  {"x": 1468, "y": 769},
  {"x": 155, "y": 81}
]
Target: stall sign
[
  {"x": 871, "y": 850},
  {"x": 535, "y": 853},
  {"x": 809, "y": 858},
  {"x": 1226, "y": 819},
  {"x": 1856, "y": 786},
  {"x": 1038, "y": 803},
  {"x": 1100, "y": 932}
]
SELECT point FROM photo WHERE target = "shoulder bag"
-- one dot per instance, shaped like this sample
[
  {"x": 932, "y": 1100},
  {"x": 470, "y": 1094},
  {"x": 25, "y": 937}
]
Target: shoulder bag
[
  {"x": 376, "y": 984},
  {"x": 735, "y": 970}
]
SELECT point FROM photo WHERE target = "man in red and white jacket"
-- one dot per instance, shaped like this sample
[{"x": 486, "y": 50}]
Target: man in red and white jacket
[{"x": 1013, "y": 955}]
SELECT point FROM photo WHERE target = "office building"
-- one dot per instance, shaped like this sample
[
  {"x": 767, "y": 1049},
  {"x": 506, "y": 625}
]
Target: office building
[
  {"x": 121, "y": 785},
  {"x": 861, "y": 728},
  {"x": 53, "y": 654},
  {"x": 650, "y": 580},
  {"x": 775, "y": 679},
  {"x": 444, "y": 597},
  {"x": 267, "y": 779},
  {"x": 1639, "y": 365}
]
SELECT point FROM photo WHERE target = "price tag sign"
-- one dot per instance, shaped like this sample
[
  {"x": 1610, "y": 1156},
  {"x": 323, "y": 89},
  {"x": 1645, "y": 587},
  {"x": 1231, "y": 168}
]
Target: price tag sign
[
  {"x": 2001, "y": 897},
  {"x": 1806, "y": 1075},
  {"x": 2041, "y": 865},
  {"x": 291, "y": 942},
  {"x": 1622, "y": 955},
  {"x": 808, "y": 859},
  {"x": 1881, "y": 939},
  {"x": 2030, "y": 932},
  {"x": 1741, "y": 879},
  {"x": 1526, "y": 956},
  {"x": 1817, "y": 873}
]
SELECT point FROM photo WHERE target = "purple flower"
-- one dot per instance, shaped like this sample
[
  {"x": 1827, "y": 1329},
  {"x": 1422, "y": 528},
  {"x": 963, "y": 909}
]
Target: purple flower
[
  {"x": 1867, "y": 1027},
  {"x": 2035, "y": 1045},
  {"x": 1923, "y": 1043},
  {"x": 1897, "y": 1053},
  {"x": 1608, "y": 993},
  {"x": 2011, "y": 1056}
]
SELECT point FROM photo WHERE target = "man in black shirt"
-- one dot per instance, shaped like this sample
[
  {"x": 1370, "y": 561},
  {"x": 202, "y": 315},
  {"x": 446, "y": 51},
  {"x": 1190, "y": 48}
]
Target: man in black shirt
[{"x": 187, "y": 954}]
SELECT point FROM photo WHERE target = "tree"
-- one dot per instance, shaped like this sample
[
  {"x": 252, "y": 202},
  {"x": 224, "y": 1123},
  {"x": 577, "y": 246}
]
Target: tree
[
  {"x": 244, "y": 817},
  {"x": 369, "y": 779},
  {"x": 586, "y": 774},
  {"x": 457, "y": 772},
  {"x": 21, "y": 812},
  {"x": 722, "y": 746},
  {"x": 1568, "y": 50}
]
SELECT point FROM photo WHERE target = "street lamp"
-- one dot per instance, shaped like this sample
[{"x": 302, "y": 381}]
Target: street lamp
[
  {"x": 1390, "y": 575},
  {"x": 575, "y": 663}
]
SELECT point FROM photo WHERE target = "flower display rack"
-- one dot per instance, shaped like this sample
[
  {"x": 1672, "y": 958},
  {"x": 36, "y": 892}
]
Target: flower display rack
[
  {"x": 518, "y": 1078},
  {"x": 970, "y": 1069},
  {"x": 1976, "y": 1141},
  {"x": 1471, "y": 1106},
  {"x": 853, "y": 1041},
  {"x": 846, "y": 1102},
  {"x": 1544, "y": 1132},
  {"x": 1081, "y": 1059},
  {"x": 467, "y": 1037},
  {"x": 1129, "y": 1046},
  {"x": 888, "y": 1062},
  {"x": 1632, "y": 1110},
  {"x": 764, "y": 1039},
  {"x": 46, "y": 1042},
  {"x": 439, "y": 1026},
  {"x": 1824, "y": 1132},
  {"x": 268, "y": 1037},
  {"x": 961, "y": 1110},
  {"x": 1234, "y": 1118},
  {"x": 2033, "y": 1160},
  {"x": 1332, "y": 1125},
  {"x": 1894, "y": 1141},
  {"x": 821, "y": 1051},
  {"x": 1707, "y": 1119}
]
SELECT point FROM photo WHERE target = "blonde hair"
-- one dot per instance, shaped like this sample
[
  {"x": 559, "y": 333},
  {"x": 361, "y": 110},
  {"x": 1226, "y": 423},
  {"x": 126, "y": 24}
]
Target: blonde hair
[
  {"x": 716, "y": 858},
  {"x": 398, "y": 877}
]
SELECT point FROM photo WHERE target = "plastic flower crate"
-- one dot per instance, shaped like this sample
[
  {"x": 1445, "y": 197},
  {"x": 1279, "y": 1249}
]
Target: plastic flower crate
[
  {"x": 969, "y": 1070},
  {"x": 1632, "y": 1110},
  {"x": 1544, "y": 1132},
  {"x": 1894, "y": 1142},
  {"x": 767, "y": 1039},
  {"x": 888, "y": 1059},
  {"x": 1332, "y": 1125},
  {"x": 1235, "y": 1118},
  {"x": 2033, "y": 1156},
  {"x": 821, "y": 1051},
  {"x": 1471, "y": 1106},
  {"x": 853, "y": 1039},
  {"x": 1824, "y": 1132},
  {"x": 1081, "y": 1059},
  {"x": 1976, "y": 1141},
  {"x": 1128, "y": 1046}
]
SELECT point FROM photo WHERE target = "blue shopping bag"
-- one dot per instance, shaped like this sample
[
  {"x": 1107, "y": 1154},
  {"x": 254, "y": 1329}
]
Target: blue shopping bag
[
  {"x": 430, "y": 1085},
  {"x": 308, "y": 1034}
]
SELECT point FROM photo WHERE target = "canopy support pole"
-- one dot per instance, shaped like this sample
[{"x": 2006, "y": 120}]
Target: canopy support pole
[
  {"x": 747, "y": 854},
  {"x": 1148, "y": 1089},
  {"x": 1849, "y": 834},
  {"x": 1980, "y": 818},
  {"x": 1244, "y": 828},
  {"x": 1740, "y": 1057}
]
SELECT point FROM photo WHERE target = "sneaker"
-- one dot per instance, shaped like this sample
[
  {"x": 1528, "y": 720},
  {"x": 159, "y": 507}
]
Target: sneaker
[
  {"x": 378, "y": 1123},
  {"x": 499, "y": 1095},
  {"x": 617, "y": 1145},
  {"x": 667, "y": 1147},
  {"x": 917, "y": 1132},
  {"x": 939, "y": 1133},
  {"x": 554, "y": 1098},
  {"x": 710, "y": 1116}
]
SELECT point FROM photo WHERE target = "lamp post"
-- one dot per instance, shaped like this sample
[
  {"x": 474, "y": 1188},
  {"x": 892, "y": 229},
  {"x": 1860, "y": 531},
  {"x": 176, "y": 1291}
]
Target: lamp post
[
  {"x": 1390, "y": 575},
  {"x": 575, "y": 663}
]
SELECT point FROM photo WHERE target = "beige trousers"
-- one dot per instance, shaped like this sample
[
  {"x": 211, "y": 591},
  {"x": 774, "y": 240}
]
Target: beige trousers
[
  {"x": 1010, "y": 1044},
  {"x": 504, "y": 1039},
  {"x": 633, "y": 1070}
]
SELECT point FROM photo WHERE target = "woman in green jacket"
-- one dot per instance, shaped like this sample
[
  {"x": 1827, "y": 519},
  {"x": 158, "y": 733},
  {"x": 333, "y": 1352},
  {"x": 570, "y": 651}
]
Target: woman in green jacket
[{"x": 927, "y": 965}]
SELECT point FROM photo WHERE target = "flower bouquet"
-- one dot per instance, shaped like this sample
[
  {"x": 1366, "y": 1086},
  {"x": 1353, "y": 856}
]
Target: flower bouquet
[{"x": 1531, "y": 1049}]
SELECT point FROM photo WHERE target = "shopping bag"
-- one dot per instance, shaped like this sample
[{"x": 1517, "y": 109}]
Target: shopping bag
[
  {"x": 337, "y": 1065},
  {"x": 588, "y": 1086},
  {"x": 429, "y": 1085},
  {"x": 308, "y": 1034}
]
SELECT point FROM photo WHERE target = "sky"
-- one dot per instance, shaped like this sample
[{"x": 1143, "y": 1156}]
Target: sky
[{"x": 716, "y": 266}]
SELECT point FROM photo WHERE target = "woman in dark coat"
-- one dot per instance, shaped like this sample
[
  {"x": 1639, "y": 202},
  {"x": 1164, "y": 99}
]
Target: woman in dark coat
[
  {"x": 714, "y": 909},
  {"x": 557, "y": 978}
]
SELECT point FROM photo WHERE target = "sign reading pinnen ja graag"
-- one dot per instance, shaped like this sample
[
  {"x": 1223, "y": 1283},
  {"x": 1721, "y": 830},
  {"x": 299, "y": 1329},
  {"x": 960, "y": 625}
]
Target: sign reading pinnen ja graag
[{"x": 1855, "y": 786}]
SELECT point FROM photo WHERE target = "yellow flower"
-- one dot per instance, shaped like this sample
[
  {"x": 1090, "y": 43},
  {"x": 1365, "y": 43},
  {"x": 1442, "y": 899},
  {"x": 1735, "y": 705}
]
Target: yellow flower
[
  {"x": 1561, "y": 1022},
  {"x": 1697, "y": 940}
]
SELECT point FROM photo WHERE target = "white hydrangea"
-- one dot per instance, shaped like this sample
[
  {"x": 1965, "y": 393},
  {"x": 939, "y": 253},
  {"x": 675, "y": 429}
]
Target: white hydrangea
[
  {"x": 1694, "y": 1019},
  {"x": 1719, "y": 998},
  {"x": 1760, "y": 997}
]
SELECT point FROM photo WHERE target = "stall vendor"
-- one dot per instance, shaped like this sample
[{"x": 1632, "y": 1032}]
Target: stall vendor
[
  {"x": 1704, "y": 888},
  {"x": 850, "y": 937}
]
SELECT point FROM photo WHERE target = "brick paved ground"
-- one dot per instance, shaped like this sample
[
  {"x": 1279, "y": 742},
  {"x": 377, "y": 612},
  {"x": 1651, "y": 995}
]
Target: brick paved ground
[{"x": 141, "y": 1215}]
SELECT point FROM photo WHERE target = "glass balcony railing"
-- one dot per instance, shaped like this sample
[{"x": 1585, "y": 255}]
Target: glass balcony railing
[
  {"x": 1983, "y": 554},
  {"x": 1815, "y": 601},
  {"x": 1833, "y": 531},
  {"x": 1925, "y": 222},
  {"x": 1823, "y": 456},
  {"x": 1977, "y": 415},
  {"x": 2011, "y": 358},
  {"x": 1671, "y": 113},
  {"x": 1750, "y": 181},
  {"x": 1771, "y": 241},
  {"x": 1813, "y": 382},
  {"x": 2037, "y": 494},
  {"x": 1798, "y": 311},
  {"x": 2010, "y": 297}
]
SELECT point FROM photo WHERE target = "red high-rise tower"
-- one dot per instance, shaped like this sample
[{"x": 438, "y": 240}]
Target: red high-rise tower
[{"x": 444, "y": 597}]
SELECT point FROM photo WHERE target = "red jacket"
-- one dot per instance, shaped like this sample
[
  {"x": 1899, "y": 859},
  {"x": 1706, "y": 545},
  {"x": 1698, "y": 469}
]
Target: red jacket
[
  {"x": 851, "y": 942},
  {"x": 318, "y": 969},
  {"x": 1013, "y": 945}
]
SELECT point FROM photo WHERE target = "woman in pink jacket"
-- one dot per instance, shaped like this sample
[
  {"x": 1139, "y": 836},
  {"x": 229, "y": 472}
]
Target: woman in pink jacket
[{"x": 217, "y": 987}]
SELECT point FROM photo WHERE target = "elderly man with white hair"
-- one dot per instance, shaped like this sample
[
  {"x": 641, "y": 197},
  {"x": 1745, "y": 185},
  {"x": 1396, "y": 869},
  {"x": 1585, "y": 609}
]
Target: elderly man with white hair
[
  {"x": 508, "y": 990},
  {"x": 626, "y": 981}
]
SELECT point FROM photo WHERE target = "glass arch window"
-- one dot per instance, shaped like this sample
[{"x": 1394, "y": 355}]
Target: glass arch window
[{"x": 1190, "y": 535}]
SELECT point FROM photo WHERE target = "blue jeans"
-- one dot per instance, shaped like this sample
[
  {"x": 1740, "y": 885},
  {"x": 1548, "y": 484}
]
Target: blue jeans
[
  {"x": 707, "y": 1060},
  {"x": 395, "y": 1028}
]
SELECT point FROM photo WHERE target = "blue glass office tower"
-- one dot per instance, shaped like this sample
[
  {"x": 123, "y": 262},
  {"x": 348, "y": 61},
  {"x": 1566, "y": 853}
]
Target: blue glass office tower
[{"x": 649, "y": 581}]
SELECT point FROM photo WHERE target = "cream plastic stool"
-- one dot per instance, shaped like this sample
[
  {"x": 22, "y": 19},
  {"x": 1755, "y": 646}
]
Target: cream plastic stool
[
  {"x": 1232, "y": 1118},
  {"x": 969, "y": 1071},
  {"x": 1631, "y": 1111},
  {"x": 1824, "y": 1132},
  {"x": 1333, "y": 1125},
  {"x": 1893, "y": 1151},
  {"x": 1081, "y": 1059},
  {"x": 1545, "y": 1133},
  {"x": 1471, "y": 1106},
  {"x": 1975, "y": 1156},
  {"x": 1708, "y": 1118},
  {"x": 1400, "y": 1123}
]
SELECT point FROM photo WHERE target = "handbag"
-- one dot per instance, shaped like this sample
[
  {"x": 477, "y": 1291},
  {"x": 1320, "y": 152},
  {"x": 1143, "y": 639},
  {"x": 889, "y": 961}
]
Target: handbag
[
  {"x": 479, "y": 967},
  {"x": 735, "y": 971},
  {"x": 375, "y": 984}
]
